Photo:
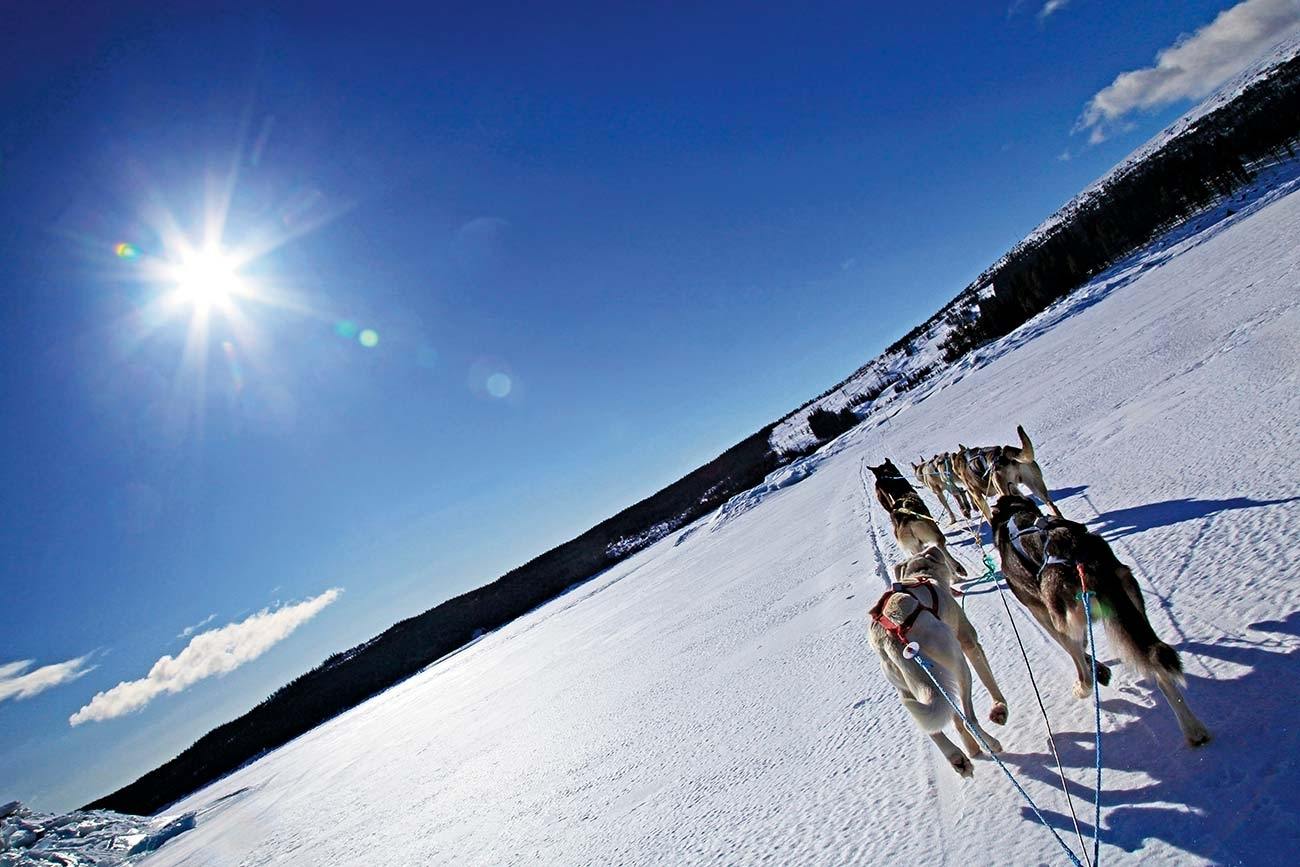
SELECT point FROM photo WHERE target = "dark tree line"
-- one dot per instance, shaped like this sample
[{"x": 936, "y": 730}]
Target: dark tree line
[
  {"x": 1196, "y": 168},
  {"x": 826, "y": 424}
]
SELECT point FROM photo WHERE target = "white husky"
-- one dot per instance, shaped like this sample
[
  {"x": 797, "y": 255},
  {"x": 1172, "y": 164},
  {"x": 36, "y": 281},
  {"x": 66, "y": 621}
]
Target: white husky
[{"x": 920, "y": 609}]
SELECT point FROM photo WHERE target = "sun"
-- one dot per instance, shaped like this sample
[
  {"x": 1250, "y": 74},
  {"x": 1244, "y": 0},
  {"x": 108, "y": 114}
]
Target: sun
[{"x": 207, "y": 278}]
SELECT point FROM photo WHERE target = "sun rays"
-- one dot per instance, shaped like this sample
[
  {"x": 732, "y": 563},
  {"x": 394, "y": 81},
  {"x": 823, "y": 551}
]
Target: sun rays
[{"x": 207, "y": 293}]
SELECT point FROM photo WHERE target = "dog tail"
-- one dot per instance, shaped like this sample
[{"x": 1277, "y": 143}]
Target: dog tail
[
  {"x": 930, "y": 709},
  {"x": 1026, "y": 447},
  {"x": 1131, "y": 634}
]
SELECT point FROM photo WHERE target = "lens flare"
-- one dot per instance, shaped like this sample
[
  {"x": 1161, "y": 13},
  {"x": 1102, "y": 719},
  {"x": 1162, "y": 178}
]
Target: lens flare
[
  {"x": 345, "y": 328},
  {"x": 492, "y": 378},
  {"x": 126, "y": 251},
  {"x": 232, "y": 365},
  {"x": 369, "y": 338},
  {"x": 498, "y": 385}
]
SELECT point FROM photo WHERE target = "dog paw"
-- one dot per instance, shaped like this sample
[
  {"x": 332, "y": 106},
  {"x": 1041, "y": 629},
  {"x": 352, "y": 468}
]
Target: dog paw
[
  {"x": 1103, "y": 674},
  {"x": 999, "y": 714},
  {"x": 962, "y": 765},
  {"x": 994, "y": 745},
  {"x": 1082, "y": 690}
]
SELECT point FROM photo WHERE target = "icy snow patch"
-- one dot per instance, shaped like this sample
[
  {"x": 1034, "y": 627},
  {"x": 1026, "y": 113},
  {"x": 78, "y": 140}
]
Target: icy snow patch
[{"x": 82, "y": 839}]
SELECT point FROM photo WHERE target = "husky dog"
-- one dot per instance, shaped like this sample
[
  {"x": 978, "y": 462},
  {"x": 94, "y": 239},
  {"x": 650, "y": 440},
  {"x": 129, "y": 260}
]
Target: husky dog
[
  {"x": 1048, "y": 562},
  {"x": 915, "y": 529},
  {"x": 890, "y": 484},
  {"x": 990, "y": 471},
  {"x": 1016, "y": 466},
  {"x": 937, "y": 474},
  {"x": 974, "y": 469},
  {"x": 918, "y": 609}
]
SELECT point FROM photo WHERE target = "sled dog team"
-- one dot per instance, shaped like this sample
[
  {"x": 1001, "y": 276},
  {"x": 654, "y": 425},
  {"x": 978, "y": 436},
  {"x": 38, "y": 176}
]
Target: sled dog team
[{"x": 1048, "y": 563}]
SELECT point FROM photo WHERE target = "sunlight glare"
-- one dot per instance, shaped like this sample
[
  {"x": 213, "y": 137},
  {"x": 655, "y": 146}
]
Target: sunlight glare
[{"x": 206, "y": 278}]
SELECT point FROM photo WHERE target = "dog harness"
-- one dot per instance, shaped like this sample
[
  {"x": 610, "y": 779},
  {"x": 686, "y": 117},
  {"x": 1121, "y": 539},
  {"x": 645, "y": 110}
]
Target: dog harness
[
  {"x": 1038, "y": 528},
  {"x": 1014, "y": 531},
  {"x": 929, "y": 518},
  {"x": 979, "y": 464},
  {"x": 948, "y": 475},
  {"x": 900, "y": 630}
]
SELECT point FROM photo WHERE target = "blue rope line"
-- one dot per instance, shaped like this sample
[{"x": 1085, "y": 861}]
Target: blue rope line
[
  {"x": 974, "y": 730},
  {"x": 1047, "y": 723},
  {"x": 991, "y": 572},
  {"x": 1096, "y": 700}
]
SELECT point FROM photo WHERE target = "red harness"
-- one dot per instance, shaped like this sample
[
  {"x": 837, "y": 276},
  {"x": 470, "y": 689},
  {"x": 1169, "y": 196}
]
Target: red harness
[{"x": 899, "y": 630}]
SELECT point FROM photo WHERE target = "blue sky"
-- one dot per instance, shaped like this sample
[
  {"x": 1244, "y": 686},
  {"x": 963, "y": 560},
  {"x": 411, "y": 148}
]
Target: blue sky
[{"x": 596, "y": 248}]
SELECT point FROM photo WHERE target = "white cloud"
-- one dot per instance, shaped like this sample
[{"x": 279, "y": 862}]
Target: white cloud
[
  {"x": 1194, "y": 65},
  {"x": 209, "y": 654},
  {"x": 190, "y": 630},
  {"x": 1051, "y": 7},
  {"x": 17, "y": 682}
]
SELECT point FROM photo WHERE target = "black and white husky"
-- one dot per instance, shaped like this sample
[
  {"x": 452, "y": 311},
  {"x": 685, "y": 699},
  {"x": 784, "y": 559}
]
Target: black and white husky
[{"x": 1048, "y": 562}]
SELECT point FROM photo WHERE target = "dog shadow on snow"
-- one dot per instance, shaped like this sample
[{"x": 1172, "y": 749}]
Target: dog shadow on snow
[
  {"x": 1118, "y": 523},
  {"x": 1232, "y": 801}
]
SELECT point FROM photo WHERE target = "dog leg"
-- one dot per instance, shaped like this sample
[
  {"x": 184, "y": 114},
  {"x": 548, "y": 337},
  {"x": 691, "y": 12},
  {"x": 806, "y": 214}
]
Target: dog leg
[
  {"x": 1075, "y": 648},
  {"x": 963, "y": 502},
  {"x": 1194, "y": 731},
  {"x": 970, "y": 645},
  {"x": 968, "y": 708},
  {"x": 938, "y": 492},
  {"x": 972, "y": 745},
  {"x": 1033, "y": 477},
  {"x": 955, "y": 757},
  {"x": 1077, "y": 630}
]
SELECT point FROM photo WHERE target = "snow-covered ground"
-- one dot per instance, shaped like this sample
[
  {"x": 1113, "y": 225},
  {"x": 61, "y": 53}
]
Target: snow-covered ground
[{"x": 714, "y": 699}]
